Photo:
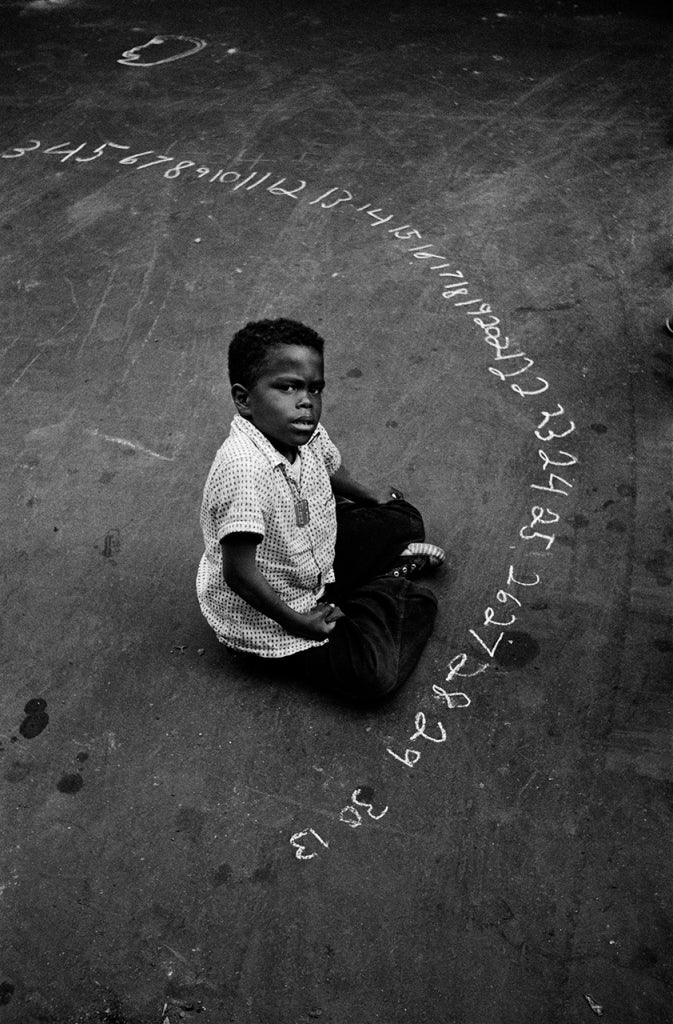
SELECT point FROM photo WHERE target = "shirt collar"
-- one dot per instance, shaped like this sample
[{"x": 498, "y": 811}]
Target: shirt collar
[{"x": 240, "y": 425}]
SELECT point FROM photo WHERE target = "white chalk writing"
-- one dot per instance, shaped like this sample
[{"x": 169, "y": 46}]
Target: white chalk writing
[
  {"x": 300, "y": 848},
  {"x": 132, "y": 57}
]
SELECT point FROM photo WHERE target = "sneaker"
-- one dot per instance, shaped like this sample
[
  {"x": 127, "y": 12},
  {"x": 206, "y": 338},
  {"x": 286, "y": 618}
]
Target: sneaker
[
  {"x": 412, "y": 565},
  {"x": 433, "y": 551}
]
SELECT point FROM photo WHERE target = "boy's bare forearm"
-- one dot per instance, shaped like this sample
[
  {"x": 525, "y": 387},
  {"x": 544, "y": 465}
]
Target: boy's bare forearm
[
  {"x": 253, "y": 587},
  {"x": 346, "y": 486},
  {"x": 241, "y": 574}
]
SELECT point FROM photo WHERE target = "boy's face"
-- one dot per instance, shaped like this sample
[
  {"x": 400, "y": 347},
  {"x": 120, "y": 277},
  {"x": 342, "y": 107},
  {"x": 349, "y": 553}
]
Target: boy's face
[{"x": 286, "y": 402}]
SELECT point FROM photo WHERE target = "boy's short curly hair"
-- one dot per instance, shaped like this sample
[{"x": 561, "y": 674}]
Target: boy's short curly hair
[{"x": 249, "y": 347}]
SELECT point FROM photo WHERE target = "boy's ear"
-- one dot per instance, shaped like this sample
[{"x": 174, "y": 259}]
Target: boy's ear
[{"x": 241, "y": 397}]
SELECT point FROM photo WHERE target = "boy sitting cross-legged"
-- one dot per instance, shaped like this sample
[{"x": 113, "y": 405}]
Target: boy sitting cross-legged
[{"x": 301, "y": 562}]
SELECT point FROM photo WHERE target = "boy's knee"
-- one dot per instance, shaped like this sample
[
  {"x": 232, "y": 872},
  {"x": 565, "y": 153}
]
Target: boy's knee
[
  {"x": 377, "y": 685},
  {"x": 382, "y": 679},
  {"x": 366, "y": 671},
  {"x": 377, "y": 644},
  {"x": 409, "y": 516}
]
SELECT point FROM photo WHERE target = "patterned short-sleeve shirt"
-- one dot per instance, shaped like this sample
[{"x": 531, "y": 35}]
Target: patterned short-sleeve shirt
[{"x": 251, "y": 489}]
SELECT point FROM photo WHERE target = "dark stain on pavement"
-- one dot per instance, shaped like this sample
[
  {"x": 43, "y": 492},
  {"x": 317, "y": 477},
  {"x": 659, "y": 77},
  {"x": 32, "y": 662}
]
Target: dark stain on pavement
[
  {"x": 36, "y": 718},
  {"x": 598, "y": 428},
  {"x": 644, "y": 959},
  {"x": 18, "y": 771},
  {"x": 6, "y": 992},
  {"x": 266, "y": 874},
  {"x": 516, "y": 649},
  {"x": 111, "y": 544},
  {"x": 114, "y": 1014},
  {"x": 657, "y": 563},
  {"x": 578, "y": 521},
  {"x": 222, "y": 875},
  {"x": 665, "y": 374},
  {"x": 190, "y": 821},
  {"x": 70, "y": 783}
]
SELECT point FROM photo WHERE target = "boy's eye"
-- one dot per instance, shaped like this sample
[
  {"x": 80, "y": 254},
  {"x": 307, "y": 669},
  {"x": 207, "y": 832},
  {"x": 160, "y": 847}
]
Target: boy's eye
[{"x": 290, "y": 388}]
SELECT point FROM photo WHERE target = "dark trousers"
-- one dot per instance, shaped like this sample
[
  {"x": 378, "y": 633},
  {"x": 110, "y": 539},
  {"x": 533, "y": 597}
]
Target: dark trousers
[{"x": 387, "y": 620}]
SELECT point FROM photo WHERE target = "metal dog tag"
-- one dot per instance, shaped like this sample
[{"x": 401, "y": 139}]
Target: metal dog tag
[{"x": 302, "y": 512}]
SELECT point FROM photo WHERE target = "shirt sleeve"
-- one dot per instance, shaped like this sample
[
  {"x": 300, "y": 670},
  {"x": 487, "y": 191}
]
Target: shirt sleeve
[
  {"x": 237, "y": 499},
  {"x": 330, "y": 452}
]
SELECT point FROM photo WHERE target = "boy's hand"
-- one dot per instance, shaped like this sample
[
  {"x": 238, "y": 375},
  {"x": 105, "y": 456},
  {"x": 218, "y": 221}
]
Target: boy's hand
[
  {"x": 334, "y": 613},
  {"x": 343, "y": 484},
  {"x": 391, "y": 494},
  {"x": 385, "y": 495},
  {"x": 318, "y": 623}
]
